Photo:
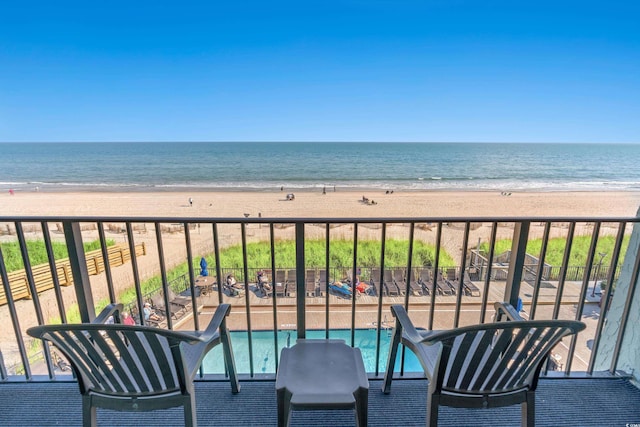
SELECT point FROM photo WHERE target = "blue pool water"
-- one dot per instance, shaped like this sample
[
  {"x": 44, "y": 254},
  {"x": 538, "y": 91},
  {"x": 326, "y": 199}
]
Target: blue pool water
[{"x": 264, "y": 350}]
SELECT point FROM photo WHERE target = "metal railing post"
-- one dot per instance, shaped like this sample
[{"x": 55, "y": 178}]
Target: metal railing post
[
  {"x": 300, "y": 281},
  {"x": 563, "y": 270},
  {"x": 14, "y": 320},
  {"x": 354, "y": 274},
  {"x": 78, "y": 262},
  {"x": 105, "y": 259},
  {"x": 516, "y": 262}
]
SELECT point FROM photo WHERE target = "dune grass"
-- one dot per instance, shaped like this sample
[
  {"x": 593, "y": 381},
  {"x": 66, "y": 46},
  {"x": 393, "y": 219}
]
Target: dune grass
[
  {"x": 38, "y": 253},
  {"x": 556, "y": 248},
  {"x": 340, "y": 255}
]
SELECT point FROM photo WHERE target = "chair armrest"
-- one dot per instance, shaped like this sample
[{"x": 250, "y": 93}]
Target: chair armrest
[
  {"x": 113, "y": 309},
  {"x": 211, "y": 332},
  {"x": 508, "y": 310},
  {"x": 402, "y": 317}
]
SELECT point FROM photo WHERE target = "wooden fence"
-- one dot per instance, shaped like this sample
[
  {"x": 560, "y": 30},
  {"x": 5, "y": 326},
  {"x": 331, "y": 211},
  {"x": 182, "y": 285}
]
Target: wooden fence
[{"x": 118, "y": 255}]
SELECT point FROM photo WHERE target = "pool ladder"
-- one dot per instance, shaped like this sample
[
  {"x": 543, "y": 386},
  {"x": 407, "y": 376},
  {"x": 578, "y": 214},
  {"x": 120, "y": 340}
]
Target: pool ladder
[{"x": 384, "y": 325}]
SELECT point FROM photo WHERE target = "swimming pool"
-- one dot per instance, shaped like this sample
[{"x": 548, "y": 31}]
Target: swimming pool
[{"x": 264, "y": 350}]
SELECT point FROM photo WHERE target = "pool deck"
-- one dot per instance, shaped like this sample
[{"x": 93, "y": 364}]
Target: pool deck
[
  {"x": 366, "y": 312},
  {"x": 547, "y": 296}
]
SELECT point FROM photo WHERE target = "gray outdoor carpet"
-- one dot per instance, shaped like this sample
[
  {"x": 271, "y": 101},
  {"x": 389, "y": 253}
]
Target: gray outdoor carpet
[{"x": 577, "y": 402}]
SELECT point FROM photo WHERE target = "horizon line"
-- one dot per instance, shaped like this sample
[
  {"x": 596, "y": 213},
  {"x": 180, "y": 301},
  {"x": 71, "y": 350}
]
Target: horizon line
[{"x": 312, "y": 142}]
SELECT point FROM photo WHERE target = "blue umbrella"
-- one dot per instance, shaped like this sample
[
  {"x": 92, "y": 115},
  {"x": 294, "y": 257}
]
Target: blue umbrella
[{"x": 203, "y": 267}]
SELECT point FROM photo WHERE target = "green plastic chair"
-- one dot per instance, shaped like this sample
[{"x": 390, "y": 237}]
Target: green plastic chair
[
  {"x": 138, "y": 368},
  {"x": 480, "y": 366}
]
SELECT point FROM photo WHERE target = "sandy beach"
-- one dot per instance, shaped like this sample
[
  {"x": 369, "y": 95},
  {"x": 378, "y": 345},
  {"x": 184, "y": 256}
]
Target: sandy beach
[{"x": 333, "y": 204}]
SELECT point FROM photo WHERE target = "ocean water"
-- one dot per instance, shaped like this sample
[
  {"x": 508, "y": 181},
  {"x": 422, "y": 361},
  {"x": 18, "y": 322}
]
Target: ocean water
[{"x": 311, "y": 166}]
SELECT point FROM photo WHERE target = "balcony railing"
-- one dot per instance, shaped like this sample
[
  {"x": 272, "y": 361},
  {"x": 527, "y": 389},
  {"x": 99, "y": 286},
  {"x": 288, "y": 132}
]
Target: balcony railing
[{"x": 474, "y": 280}]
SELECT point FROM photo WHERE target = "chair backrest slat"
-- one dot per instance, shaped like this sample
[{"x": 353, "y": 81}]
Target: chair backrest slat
[
  {"x": 66, "y": 341},
  {"x": 107, "y": 343},
  {"x": 120, "y": 350},
  {"x": 457, "y": 366},
  {"x": 528, "y": 343},
  {"x": 481, "y": 357},
  {"x": 144, "y": 369},
  {"x": 94, "y": 357},
  {"x": 163, "y": 366},
  {"x": 490, "y": 368},
  {"x": 131, "y": 363},
  {"x": 507, "y": 347},
  {"x": 546, "y": 344}
]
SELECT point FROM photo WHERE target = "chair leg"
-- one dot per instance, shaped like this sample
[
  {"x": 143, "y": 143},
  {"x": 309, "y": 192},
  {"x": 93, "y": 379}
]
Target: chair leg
[
  {"x": 528, "y": 409},
  {"x": 89, "y": 418},
  {"x": 229, "y": 360},
  {"x": 391, "y": 361},
  {"x": 433, "y": 402},
  {"x": 190, "y": 415},
  {"x": 284, "y": 408},
  {"x": 362, "y": 400}
]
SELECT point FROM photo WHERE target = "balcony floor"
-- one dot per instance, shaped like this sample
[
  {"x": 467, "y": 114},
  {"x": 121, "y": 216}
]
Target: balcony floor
[{"x": 559, "y": 402}]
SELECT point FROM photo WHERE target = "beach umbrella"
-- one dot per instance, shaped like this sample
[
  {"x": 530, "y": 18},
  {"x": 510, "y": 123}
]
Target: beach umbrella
[{"x": 203, "y": 267}]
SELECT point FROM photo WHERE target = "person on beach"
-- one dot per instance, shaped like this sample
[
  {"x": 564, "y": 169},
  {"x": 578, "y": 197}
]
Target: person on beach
[
  {"x": 232, "y": 282},
  {"x": 263, "y": 281},
  {"x": 149, "y": 314},
  {"x": 127, "y": 319},
  {"x": 190, "y": 202},
  {"x": 360, "y": 286}
]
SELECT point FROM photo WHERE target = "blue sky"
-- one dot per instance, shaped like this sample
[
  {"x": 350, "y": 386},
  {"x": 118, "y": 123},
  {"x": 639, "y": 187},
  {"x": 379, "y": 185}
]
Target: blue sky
[{"x": 367, "y": 70}]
